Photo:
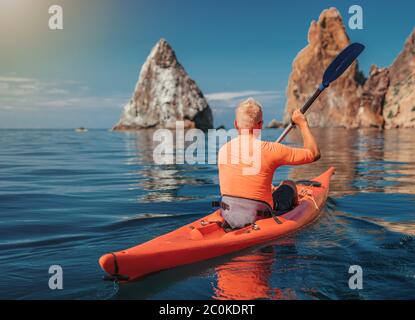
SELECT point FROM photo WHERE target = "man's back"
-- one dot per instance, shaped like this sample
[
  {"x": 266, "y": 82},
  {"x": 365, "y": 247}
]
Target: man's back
[{"x": 235, "y": 164}]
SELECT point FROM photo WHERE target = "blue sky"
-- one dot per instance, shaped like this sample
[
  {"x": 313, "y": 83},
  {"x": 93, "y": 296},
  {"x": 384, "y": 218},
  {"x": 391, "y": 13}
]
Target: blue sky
[{"x": 82, "y": 75}]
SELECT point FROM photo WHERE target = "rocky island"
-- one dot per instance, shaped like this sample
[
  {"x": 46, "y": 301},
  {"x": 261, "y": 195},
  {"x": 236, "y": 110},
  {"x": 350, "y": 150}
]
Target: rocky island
[
  {"x": 165, "y": 94},
  {"x": 386, "y": 99},
  {"x": 275, "y": 124}
]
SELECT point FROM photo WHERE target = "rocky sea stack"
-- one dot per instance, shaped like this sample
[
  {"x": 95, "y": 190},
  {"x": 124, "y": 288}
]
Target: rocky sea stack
[
  {"x": 385, "y": 99},
  {"x": 399, "y": 107},
  {"x": 275, "y": 124},
  {"x": 165, "y": 94}
]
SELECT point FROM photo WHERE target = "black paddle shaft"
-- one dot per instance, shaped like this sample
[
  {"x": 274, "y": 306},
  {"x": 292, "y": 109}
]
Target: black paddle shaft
[
  {"x": 310, "y": 101},
  {"x": 303, "y": 110}
]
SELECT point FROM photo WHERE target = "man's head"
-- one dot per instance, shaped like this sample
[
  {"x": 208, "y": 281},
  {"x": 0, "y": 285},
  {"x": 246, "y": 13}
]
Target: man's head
[{"x": 248, "y": 115}]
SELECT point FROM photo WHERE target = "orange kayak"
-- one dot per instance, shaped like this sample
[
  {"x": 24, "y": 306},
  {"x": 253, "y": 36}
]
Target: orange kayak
[{"x": 205, "y": 238}]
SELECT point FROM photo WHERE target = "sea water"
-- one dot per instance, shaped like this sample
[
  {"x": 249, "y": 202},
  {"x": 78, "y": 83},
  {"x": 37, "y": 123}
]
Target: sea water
[{"x": 66, "y": 198}]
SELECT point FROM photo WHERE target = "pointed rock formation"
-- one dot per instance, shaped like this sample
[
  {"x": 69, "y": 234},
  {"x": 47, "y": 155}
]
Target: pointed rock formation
[
  {"x": 339, "y": 105},
  {"x": 372, "y": 98},
  {"x": 275, "y": 124},
  {"x": 385, "y": 99},
  {"x": 399, "y": 108},
  {"x": 165, "y": 94}
]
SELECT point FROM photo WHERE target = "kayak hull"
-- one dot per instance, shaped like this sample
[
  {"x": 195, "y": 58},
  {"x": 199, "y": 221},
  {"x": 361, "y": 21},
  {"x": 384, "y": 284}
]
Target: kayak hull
[{"x": 205, "y": 238}]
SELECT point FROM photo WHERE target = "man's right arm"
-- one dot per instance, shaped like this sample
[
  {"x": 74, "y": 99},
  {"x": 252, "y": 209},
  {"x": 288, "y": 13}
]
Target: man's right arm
[
  {"x": 310, "y": 143},
  {"x": 285, "y": 155}
]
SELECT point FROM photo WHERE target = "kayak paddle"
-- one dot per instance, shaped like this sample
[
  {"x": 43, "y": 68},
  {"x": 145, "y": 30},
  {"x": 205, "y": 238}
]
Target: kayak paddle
[{"x": 333, "y": 71}]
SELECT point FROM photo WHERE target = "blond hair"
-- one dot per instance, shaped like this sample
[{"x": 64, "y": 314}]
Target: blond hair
[{"x": 248, "y": 114}]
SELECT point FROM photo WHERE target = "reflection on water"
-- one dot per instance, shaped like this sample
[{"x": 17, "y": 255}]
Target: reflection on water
[
  {"x": 161, "y": 182},
  {"x": 70, "y": 198},
  {"x": 248, "y": 277},
  {"x": 366, "y": 160},
  {"x": 245, "y": 277}
]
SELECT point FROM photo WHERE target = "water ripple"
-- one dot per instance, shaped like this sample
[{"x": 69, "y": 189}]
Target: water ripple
[{"x": 67, "y": 198}]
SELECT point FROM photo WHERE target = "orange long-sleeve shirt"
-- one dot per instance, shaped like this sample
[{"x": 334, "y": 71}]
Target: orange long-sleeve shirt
[{"x": 236, "y": 166}]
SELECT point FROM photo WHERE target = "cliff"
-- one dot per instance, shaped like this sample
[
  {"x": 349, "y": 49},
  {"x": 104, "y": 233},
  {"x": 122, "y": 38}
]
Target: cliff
[
  {"x": 385, "y": 99},
  {"x": 165, "y": 94},
  {"x": 399, "y": 108}
]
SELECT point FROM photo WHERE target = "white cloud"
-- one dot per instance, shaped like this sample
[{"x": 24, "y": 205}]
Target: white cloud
[
  {"x": 6, "y": 107},
  {"x": 103, "y": 102},
  {"x": 229, "y": 96},
  {"x": 220, "y": 100},
  {"x": 15, "y": 79},
  {"x": 29, "y": 93},
  {"x": 57, "y": 91},
  {"x": 223, "y": 104}
]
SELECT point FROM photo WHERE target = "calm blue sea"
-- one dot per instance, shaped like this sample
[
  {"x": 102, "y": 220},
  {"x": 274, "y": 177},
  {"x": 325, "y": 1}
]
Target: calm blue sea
[{"x": 66, "y": 198}]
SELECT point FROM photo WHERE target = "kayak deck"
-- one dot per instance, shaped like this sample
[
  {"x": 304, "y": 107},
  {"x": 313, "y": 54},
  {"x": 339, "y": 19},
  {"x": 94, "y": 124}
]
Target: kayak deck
[{"x": 205, "y": 238}]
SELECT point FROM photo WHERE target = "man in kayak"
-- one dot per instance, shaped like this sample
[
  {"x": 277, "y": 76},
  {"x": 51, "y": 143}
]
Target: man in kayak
[{"x": 248, "y": 197}]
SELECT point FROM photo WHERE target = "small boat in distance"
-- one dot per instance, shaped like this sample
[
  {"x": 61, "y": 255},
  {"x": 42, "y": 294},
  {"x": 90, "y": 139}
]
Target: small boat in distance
[{"x": 81, "y": 129}]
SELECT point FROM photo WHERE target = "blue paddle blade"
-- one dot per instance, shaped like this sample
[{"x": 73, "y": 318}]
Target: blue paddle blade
[{"x": 342, "y": 62}]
